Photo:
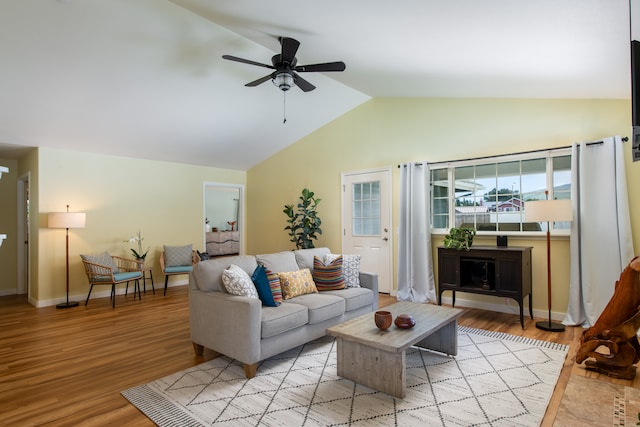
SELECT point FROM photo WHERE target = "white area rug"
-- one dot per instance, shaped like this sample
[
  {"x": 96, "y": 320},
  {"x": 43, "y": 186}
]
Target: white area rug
[{"x": 495, "y": 380}]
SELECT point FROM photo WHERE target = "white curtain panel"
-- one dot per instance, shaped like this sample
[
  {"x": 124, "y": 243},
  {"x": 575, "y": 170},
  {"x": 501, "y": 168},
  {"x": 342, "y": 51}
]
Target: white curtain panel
[
  {"x": 415, "y": 266},
  {"x": 601, "y": 241}
]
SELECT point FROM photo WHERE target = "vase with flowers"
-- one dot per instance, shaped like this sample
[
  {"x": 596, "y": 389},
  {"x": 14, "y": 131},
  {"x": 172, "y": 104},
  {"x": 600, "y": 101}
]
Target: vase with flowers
[{"x": 138, "y": 254}]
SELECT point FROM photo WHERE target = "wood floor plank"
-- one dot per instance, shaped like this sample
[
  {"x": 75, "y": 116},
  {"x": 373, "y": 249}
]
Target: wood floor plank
[{"x": 68, "y": 367}]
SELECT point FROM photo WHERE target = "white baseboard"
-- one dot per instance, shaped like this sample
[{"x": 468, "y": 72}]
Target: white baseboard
[
  {"x": 105, "y": 292},
  {"x": 509, "y": 306}
]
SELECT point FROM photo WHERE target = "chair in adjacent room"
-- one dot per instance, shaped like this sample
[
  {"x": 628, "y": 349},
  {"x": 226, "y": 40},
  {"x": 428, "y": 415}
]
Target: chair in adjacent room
[
  {"x": 176, "y": 260},
  {"x": 104, "y": 269}
]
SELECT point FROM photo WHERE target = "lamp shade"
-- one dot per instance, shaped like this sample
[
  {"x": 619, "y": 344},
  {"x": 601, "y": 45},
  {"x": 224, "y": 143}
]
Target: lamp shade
[
  {"x": 548, "y": 210},
  {"x": 66, "y": 220}
]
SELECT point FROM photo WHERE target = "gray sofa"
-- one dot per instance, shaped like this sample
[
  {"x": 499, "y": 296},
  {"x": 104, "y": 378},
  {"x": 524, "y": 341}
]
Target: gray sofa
[{"x": 243, "y": 329}]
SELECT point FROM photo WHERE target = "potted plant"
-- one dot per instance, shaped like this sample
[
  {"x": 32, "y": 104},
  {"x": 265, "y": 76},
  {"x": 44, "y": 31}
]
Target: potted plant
[
  {"x": 459, "y": 238},
  {"x": 138, "y": 254},
  {"x": 304, "y": 224}
]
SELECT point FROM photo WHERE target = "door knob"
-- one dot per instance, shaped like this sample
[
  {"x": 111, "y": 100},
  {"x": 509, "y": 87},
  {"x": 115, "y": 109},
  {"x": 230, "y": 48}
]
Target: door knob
[{"x": 385, "y": 239}]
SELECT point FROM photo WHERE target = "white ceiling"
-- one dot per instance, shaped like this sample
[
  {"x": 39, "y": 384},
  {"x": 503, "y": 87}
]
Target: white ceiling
[{"x": 145, "y": 78}]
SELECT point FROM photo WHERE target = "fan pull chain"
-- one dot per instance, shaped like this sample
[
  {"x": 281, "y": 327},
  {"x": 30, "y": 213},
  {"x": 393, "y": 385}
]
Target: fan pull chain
[{"x": 284, "y": 107}]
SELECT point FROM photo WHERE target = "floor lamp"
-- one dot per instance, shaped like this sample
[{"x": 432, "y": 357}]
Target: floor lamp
[
  {"x": 67, "y": 220},
  {"x": 548, "y": 211}
]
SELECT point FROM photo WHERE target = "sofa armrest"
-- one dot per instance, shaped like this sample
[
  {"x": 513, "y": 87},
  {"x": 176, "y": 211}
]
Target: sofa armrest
[
  {"x": 226, "y": 323},
  {"x": 370, "y": 281}
]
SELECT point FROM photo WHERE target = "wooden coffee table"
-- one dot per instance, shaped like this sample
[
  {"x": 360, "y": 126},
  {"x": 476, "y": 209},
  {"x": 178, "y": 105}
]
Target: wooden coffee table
[{"x": 377, "y": 359}]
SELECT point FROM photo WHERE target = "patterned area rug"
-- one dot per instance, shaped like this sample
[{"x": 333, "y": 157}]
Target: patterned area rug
[{"x": 495, "y": 380}]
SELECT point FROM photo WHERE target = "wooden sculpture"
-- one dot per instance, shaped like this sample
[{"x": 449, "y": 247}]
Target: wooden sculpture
[{"x": 616, "y": 329}]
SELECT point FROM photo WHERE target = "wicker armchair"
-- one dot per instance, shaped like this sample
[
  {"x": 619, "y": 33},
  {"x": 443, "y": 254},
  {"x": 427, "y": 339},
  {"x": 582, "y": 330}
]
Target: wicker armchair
[
  {"x": 172, "y": 269},
  {"x": 104, "y": 269}
]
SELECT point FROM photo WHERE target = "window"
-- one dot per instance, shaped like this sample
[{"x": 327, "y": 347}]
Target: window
[
  {"x": 366, "y": 209},
  {"x": 491, "y": 194}
]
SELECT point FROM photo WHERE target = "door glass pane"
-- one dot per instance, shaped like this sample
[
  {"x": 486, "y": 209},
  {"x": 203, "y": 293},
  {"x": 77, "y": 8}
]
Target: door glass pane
[{"x": 365, "y": 212}]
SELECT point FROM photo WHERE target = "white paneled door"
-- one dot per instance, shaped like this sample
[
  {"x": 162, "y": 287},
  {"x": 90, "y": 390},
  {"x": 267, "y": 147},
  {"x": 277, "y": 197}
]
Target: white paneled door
[{"x": 366, "y": 222}]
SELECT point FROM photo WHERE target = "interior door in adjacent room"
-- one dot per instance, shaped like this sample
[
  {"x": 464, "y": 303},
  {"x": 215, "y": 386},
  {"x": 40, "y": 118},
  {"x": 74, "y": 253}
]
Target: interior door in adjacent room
[{"x": 366, "y": 222}]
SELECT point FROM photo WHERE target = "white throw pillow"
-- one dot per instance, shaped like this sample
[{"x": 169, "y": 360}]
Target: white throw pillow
[
  {"x": 238, "y": 282},
  {"x": 350, "y": 268}
]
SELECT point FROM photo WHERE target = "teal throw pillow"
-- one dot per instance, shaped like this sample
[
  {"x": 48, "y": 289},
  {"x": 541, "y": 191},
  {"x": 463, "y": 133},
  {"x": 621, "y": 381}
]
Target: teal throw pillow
[{"x": 261, "y": 282}]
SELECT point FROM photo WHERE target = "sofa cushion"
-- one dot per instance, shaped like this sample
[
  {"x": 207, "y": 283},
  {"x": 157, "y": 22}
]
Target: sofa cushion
[
  {"x": 103, "y": 258},
  {"x": 304, "y": 257},
  {"x": 355, "y": 298},
  {"x": 277, "y": 262},
  {"x": 295, "y": 283},
  {"x": 175, "y": 256},
  {"x": 261, "y": 282},
  {"x": 237, "y": 282},
  {"x": 328, "y": 276},
  {"x": 274, "y": 284},
  {"x": 350, "y": 268},
  {"x": 321, "y": 306},
  {"x": 208, "y": 274},
  {"x": 276, "y": 320}
]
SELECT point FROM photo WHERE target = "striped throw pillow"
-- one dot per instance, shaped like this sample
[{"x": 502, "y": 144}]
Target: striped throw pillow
[
  {"x": 328, "y": 277},
  {"x": 274, "y": 284}
]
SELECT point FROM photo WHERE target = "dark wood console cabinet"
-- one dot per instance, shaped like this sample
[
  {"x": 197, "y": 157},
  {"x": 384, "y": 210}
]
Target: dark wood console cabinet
[{"x": 487, "y": 270}]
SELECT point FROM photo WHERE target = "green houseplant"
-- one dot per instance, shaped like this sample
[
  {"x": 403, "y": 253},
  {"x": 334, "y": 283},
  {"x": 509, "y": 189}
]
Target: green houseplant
[
  {"x": 138, "y": 239},
  {"x": 459, "y": 238},
  {"x": 304, "y": 223}
]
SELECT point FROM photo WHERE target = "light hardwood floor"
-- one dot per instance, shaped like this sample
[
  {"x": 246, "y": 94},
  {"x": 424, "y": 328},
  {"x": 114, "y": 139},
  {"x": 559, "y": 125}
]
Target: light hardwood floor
[{"x": 68, "y": 366}]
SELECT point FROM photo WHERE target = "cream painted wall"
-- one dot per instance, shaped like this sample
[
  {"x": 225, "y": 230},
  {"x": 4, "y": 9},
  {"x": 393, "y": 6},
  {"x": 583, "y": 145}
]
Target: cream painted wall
[
  {"x": 385, "y": 132},
  {"x": 8, "y": 226},
  {"x": 120, "y": 196}
]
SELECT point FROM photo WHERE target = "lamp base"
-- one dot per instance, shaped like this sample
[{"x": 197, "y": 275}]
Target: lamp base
[
  {"x": 67, "y": 304},
  {"x": 550, "y": 326}
]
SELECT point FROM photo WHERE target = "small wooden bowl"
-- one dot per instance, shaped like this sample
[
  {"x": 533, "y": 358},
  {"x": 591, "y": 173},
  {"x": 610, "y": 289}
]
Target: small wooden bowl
[
  {"x": 405, "y": 321},
  {"x": 383, "y": 319}
]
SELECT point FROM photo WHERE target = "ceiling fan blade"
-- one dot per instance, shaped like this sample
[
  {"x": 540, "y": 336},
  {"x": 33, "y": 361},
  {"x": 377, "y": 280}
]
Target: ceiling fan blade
[
  {"x": 327, "y": 66},
  {"x": 302, "y": 83},
  {"x": 289, "y": 49},
  {"x": 247, "y": 61},
  {"x": 260, "y": 81}
]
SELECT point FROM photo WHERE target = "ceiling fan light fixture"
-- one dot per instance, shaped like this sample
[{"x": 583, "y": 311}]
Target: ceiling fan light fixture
[{"x": 284, "y": 81}]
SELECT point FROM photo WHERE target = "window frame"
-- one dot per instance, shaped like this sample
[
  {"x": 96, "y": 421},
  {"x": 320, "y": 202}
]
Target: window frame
[{"x": 450, "y": 166}]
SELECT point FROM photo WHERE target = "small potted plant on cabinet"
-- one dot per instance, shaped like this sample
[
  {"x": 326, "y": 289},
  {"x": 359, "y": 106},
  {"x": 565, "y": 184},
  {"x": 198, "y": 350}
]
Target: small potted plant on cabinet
[{"x": 459, "y": 238}]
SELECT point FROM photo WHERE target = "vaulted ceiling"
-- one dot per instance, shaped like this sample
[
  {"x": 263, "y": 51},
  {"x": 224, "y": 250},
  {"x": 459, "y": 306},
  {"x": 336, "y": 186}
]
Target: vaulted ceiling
[{"x": 145, "y": 78}]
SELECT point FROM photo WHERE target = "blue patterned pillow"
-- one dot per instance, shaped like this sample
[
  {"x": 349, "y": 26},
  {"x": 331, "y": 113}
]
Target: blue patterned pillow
[
  {"x": 102, "y": 258},
  {"x": 177, "y": 256},
  {"x": 350, "y": 268}
]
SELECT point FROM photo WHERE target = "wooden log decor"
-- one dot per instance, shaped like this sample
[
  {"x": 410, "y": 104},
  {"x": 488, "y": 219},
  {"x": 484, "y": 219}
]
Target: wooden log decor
[{"x": 616, "y": 330}]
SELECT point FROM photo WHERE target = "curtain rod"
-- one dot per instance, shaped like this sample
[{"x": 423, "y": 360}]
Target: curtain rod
[{"x": 624, "y": 139}]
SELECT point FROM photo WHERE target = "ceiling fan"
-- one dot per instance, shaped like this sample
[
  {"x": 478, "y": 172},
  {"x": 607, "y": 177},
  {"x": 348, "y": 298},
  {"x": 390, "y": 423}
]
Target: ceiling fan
[{"x": 286, "y": 71}]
